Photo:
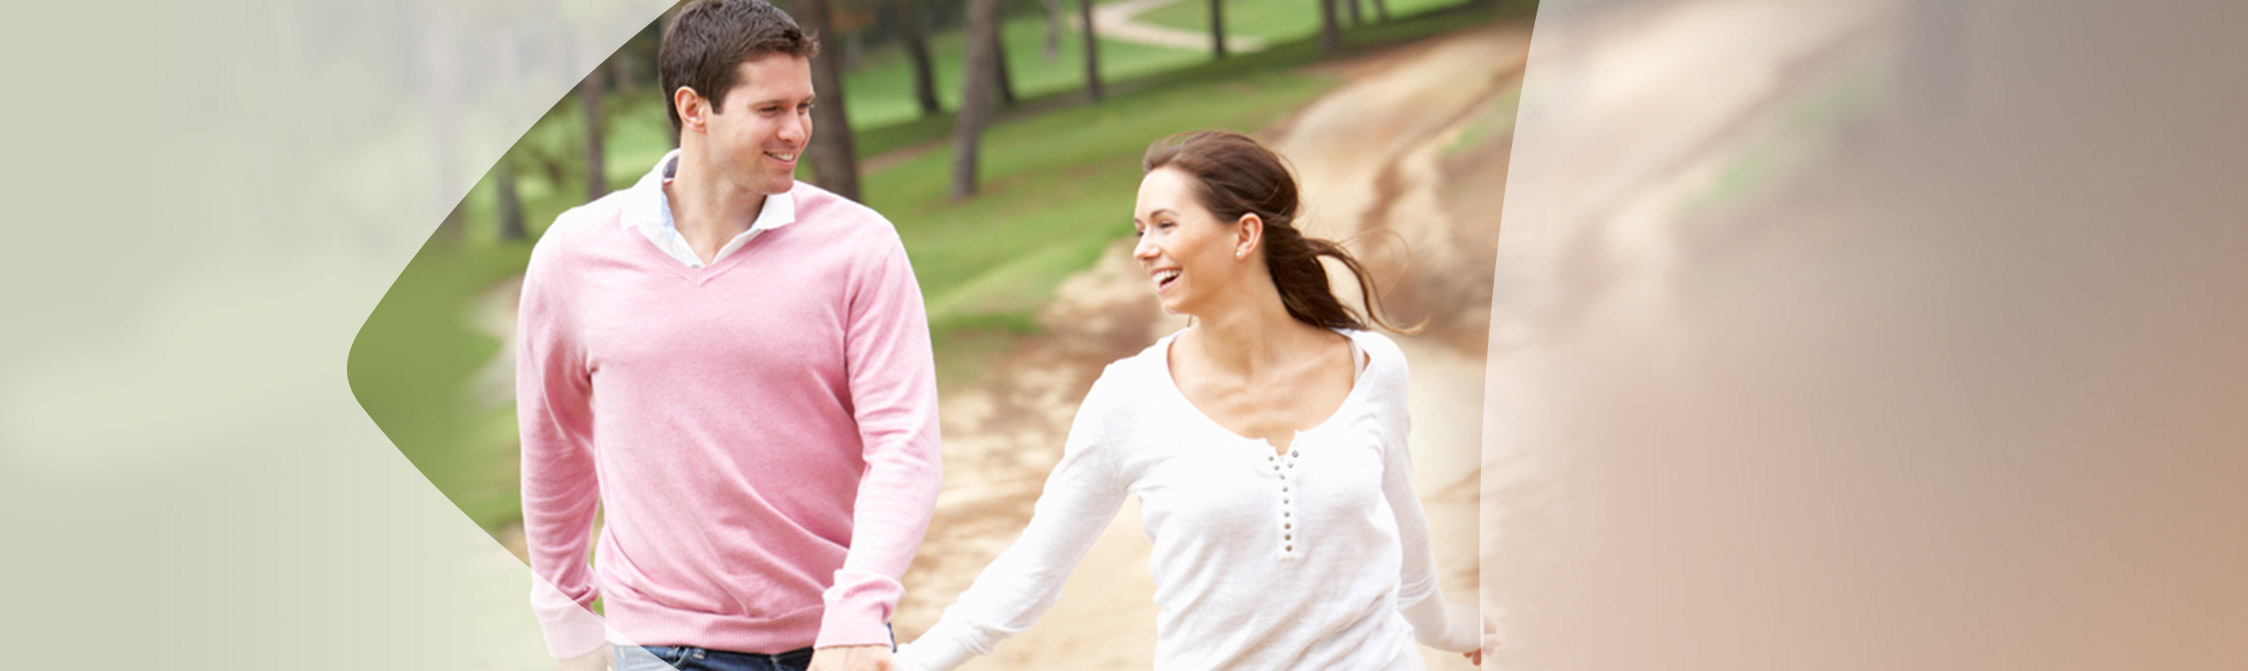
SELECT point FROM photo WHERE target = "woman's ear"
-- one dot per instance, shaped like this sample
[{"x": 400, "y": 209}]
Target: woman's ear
[{"x": 1248, "y": 234}]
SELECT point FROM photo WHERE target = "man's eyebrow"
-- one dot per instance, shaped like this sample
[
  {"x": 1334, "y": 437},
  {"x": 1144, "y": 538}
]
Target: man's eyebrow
[{"x": 776, "y": 101}]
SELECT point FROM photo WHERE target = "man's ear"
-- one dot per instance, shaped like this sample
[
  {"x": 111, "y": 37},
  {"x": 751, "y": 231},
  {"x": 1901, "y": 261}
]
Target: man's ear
[
  {"x": 1248, "y": 235},
  {"x": 693, "y": 109}
]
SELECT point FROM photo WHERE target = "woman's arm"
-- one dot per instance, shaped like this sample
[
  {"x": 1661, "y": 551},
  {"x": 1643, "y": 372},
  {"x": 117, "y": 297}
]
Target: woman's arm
[
  {"x": 1081, "y": 496},
  {"x": 1436, "y": 624}
]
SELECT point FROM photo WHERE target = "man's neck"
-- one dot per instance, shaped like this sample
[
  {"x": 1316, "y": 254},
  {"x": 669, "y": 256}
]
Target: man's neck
[{"x": 707, "y": 209}]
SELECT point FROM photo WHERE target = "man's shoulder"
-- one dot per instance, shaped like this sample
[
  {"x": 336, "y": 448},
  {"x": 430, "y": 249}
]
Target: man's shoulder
[
  {"x": 831, "y": 211},
  {"x": 572, "y": 230},
  {"x": 577, "y": 221}
]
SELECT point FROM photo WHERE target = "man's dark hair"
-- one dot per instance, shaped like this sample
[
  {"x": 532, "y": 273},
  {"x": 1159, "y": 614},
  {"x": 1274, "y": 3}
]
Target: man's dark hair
[{"x": 707, "y": 39}]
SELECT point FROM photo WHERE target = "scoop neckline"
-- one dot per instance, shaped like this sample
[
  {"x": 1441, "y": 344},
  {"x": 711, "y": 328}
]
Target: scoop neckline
[{"x": 1357, "y": 383}]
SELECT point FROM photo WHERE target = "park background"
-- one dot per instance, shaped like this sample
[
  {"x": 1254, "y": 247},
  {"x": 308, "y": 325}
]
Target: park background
[
  {"x": 1397, "y": 115},
  {"x": 1827, "y": 333}
]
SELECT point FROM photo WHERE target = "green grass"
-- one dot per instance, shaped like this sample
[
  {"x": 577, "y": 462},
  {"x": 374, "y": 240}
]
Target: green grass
[
  {"x": 1496, "y": 118},
  {"x": 410, "y": 366},
  {"x": 1049, "y": 207},
  {"x": 1275, "y": 20}
]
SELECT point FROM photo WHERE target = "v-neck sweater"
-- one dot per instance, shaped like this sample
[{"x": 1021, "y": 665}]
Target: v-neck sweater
[
  {"x": 760, "y": 435},
  {"x": 1264, "y": 559}
]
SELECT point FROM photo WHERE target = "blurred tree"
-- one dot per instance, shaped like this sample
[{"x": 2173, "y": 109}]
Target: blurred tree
[
  {"x": 1381, "y": 10},
  {"x": 834, "y": 160},
  {"x": 1217, "y": 28},
  {"x": 1054, "y": 19},
  {"x": 1004, "y": 79},
  {"x": 669, "y": 15},
  {"x": 976, "y": 91},
  {"x": 854, "y": 21},
  {"x": 509, "y": 208},
  {"x": 1092, "y": 52},
  {"x": 589, "y": 106},
  {"x": 1357, "y": 18},
  {"x": 917, "y": 50},
  {"x": 1330, "y": 32}
]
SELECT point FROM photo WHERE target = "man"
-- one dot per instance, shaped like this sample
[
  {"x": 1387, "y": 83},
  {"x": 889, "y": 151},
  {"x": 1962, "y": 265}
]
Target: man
[{"x": 735, "y": 368}]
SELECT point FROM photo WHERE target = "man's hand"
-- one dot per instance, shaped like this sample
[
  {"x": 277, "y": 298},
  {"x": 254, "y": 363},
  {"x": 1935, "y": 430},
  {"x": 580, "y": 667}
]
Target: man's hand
[
  {"x": 601, "y": 659},
  {"x": 853, "y": 658}
]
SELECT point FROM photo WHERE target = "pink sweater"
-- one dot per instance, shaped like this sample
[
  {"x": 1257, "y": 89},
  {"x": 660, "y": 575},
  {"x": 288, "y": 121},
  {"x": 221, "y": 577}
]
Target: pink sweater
[{"x": 761, "y": 434}]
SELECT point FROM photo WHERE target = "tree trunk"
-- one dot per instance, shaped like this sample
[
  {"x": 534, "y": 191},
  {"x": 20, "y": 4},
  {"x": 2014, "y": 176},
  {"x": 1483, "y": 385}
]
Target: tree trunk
[
  {"x": 1330, "y": 32},
  {"x": 834, "y": 159},
  {"x": 1217, "y": 28},
  {"x": 975, "y": 94},
  {"x": 1004, "y": 78},
  {"x": 589, "y": 105},
  {"x": 917, "y": 49},
  {"x": 1357, "y": 18},
  {"x": 1092, "y": 52},
  {"x": 509, "y": 209},
  {"x": 1381, "y": 11},
  {"x": 1055, "y": 15}
]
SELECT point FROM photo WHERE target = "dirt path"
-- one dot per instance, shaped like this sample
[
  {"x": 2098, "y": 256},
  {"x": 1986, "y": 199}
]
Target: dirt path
[
  {"x": 1380, "y": 159},
  {"x": 1120, "y": 21}
]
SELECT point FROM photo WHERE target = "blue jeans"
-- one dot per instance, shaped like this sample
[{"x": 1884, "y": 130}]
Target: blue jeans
[{"x": 685, "y": 658}]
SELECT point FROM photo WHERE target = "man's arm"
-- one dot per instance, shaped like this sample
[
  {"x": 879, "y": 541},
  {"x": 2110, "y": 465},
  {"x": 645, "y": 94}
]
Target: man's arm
[
  {"x": 894, "y": 396},
  {"x": 554, "y": 416}
]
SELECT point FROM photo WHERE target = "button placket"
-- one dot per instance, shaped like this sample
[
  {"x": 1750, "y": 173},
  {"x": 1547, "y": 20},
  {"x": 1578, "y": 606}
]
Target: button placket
[{"x": 1286, "y": 466}]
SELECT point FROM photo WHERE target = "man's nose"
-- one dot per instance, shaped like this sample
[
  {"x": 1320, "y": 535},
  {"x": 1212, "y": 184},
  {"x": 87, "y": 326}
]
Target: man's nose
[{"x": 797, "y": 129}]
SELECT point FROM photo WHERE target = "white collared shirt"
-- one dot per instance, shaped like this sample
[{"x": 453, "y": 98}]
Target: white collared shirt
[{"x": 650, "y": 214}]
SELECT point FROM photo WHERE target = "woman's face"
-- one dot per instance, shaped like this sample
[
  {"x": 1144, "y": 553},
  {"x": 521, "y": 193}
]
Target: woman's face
[{"x": 1189, "y": 255}]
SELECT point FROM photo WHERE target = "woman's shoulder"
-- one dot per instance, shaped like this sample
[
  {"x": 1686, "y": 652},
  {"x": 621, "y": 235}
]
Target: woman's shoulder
[
  {"x": 1387, "y": 374},
  {"x": 1128, "y": 376},
  {"x": 1380, "y": 349}
]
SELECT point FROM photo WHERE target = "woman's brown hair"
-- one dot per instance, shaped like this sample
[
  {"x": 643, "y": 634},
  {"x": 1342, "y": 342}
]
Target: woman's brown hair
[{"x": 1235, "y": 176}]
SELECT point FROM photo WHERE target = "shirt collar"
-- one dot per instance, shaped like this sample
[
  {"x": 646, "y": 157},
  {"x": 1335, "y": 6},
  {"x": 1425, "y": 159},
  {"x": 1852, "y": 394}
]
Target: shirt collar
[{"x": 646, "y": 205}]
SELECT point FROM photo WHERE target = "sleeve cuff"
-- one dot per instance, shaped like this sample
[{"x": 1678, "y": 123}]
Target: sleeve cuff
[
  {"x": 1445, "y": 626},
  {"x": 858, "y": 610},
  {"x": 571, "y": 630},
  {"x": 942, "y": 648}
]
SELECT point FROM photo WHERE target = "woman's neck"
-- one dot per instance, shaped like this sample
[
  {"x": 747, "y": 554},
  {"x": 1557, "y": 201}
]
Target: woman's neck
[{"x": 1251, "y": 335}]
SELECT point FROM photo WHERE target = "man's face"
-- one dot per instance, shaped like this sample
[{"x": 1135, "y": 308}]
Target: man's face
[{"x": 755, "y": 138}]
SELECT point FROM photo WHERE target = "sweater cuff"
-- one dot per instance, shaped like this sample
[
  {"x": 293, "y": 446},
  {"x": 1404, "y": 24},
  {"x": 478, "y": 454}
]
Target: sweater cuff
[
  {"x": 858, "y": 609},
  {"x": 571, "y": 630}
]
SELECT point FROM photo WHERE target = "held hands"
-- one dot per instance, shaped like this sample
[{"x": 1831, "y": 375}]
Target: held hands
[{"x": 853, "y": 658}]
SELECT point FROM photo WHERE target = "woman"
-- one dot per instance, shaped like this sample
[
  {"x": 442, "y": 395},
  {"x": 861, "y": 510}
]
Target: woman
[{"x": 1266, "y": 442}]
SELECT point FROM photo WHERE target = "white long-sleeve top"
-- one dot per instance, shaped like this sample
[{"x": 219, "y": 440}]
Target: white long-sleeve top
[{"x": 1315, "y": 558}]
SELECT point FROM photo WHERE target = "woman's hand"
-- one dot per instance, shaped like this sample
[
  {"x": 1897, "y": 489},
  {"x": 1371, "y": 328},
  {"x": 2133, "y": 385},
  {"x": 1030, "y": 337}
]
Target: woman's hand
[{"x": 1490, "y": 641}]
